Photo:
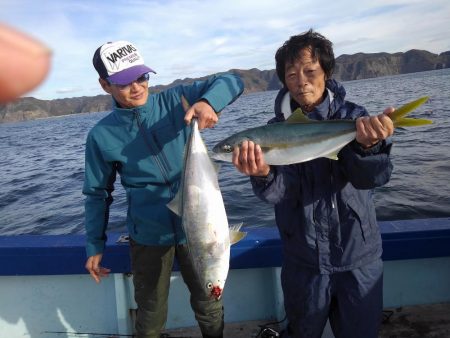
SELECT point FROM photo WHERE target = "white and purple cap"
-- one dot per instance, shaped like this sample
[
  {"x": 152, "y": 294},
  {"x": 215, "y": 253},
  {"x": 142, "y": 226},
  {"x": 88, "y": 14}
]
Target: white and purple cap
[{"x": 119, "y": 62}]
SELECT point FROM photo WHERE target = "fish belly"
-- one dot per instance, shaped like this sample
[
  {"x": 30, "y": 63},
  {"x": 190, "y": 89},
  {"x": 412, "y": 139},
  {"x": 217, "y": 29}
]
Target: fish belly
[
  {"x": 303, "y": 152},
  {"x": 205, "y": 221}
]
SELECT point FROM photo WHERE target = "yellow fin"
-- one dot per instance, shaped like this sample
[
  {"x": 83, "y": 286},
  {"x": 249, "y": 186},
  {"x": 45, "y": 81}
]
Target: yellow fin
[
  {"x": 333, "y": 156},
  {"x": 398, "y": 115},
  {"x": 298, "y": 117},
  {"x": 410, "y": 122},
  {"x": 235, "y": 234},
  {"x": 408, "y": 107}
]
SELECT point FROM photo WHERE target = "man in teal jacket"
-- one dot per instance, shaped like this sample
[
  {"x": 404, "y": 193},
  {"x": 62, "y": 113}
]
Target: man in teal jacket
[{"x": 143, "y": 140}]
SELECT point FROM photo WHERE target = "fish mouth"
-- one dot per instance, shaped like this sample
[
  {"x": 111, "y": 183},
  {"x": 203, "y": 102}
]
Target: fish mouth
[
  {"x": 219, "y": 156},
  {"x": 216, "y": 148},
  {"x": 216, "y": 292}
]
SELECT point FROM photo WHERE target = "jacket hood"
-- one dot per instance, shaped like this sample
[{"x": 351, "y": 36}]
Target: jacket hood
[{"x": 334, "y": 100}]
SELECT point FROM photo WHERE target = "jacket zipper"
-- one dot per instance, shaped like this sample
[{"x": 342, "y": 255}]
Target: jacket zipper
[
  {"x": 331, "y": 184},
  {"x": 161, "y": 168},
  {"x": 158, "y": 162}
]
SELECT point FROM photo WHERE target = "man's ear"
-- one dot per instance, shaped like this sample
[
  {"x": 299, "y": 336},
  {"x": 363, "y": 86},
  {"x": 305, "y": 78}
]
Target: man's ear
[{"x": 105, "y": 85}]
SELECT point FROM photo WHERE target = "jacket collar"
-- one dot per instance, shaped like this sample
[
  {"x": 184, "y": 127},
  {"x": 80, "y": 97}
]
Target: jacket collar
[
  {"x": 128, "y": 115},
  {"x": 335, "y": 96}
]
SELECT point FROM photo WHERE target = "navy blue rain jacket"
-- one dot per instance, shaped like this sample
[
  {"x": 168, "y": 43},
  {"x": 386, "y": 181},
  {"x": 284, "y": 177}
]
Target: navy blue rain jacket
[{"x": 324, "y": 208}]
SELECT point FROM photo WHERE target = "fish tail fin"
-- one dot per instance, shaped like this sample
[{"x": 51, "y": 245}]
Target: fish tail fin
[
  {"x": 410, "y": 122},
  {"x": 398, "y": 115},
  {"x": 235, "y": 234}
]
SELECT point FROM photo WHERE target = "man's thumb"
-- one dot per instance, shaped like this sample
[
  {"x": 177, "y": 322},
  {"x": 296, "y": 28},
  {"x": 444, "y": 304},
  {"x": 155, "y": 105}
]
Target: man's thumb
[{"x": 188, "y": 116}]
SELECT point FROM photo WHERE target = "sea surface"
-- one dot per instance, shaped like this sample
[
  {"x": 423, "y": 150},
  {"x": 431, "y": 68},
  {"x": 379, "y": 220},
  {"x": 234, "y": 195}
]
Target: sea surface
[{"x": 42, "y": 161}]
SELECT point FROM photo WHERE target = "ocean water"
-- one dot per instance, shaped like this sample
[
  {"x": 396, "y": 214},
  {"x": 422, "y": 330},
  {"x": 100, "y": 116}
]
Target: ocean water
[{"x": 42, "y": 161}]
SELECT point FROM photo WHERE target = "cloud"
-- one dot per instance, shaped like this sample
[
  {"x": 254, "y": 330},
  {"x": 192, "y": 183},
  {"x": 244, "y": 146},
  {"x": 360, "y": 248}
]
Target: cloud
[
  {"x": 192, "y": 38},
  {"x": 68, "y": 90}
]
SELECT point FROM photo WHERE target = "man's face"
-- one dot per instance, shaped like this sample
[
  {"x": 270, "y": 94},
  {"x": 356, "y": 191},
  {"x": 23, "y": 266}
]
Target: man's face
[
  {"x": 305, "y": 80},
  {"x": 132, "y": 95}
]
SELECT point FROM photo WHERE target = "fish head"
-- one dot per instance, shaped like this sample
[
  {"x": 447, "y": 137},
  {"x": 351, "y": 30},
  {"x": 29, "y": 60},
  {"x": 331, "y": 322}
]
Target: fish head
[
  {"x": 223, "y": 151},
  {"x": 215, "y": 289}
]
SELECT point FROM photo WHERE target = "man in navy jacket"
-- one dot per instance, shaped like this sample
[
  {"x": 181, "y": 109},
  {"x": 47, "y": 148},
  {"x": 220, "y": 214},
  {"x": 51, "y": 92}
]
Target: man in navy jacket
[{"x": 324, "y": 211}]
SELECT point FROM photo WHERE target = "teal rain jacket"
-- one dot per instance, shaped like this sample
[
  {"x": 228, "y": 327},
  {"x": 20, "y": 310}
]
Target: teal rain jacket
[{"x": 145, "y": 146}]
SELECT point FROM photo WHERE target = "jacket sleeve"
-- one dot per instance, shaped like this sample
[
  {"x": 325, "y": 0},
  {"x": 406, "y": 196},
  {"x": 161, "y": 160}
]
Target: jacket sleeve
[
  {"x": 366, "y": 169},
  {"x": 218, "y": 90},
  {"x": 98, "y": 187},
  {"x": 281, "y": 183}
]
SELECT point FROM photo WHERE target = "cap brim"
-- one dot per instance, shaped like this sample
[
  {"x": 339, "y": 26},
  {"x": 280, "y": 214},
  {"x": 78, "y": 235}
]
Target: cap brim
[{"x": 129, "y": 75}]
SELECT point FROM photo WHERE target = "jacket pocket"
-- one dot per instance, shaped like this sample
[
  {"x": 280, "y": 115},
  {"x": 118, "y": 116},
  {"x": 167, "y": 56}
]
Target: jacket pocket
[
  {"x": 359, "y": 213},
  {"x": 148, "y": 216}
]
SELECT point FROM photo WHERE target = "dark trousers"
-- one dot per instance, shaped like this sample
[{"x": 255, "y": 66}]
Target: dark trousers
[
  {"x": 152, "y": 268},
  {"x": 351, "y": 300}
]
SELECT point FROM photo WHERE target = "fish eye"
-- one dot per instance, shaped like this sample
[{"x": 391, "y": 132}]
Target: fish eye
[
  {"x": 209, "y": 285},
  {"x": 227, "y": 148}
]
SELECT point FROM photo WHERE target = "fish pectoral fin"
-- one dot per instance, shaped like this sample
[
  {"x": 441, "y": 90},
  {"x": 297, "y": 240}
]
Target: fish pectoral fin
[
  {"x": 235, "y": 234},
  {"x": 175, "y": 204},
  {"x": 333, "y": 155},
  {"x": 265, "y": 149}
]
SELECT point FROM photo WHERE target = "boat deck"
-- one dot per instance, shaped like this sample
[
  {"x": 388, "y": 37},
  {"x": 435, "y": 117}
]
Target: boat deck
[{"x": 419, "y": 321}]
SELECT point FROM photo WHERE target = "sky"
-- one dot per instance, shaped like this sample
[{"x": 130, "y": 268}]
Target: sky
[{"x": 193, "y": 38}]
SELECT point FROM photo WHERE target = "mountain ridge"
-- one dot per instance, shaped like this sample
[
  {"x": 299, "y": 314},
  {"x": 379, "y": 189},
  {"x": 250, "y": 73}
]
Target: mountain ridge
[{"x": 348, "y": 67}]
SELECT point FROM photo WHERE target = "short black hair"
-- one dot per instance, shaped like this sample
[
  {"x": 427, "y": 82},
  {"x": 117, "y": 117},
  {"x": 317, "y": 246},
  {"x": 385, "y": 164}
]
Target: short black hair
[{"x": 321, "y": 50}]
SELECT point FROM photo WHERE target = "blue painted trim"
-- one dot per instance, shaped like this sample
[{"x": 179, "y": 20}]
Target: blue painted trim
[
  {"x": 413, "y": 239},
  {"x": 65, "y": 254}
]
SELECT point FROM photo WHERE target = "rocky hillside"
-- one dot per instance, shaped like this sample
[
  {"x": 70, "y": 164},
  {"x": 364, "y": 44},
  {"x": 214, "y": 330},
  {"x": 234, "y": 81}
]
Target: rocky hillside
[
  {"x": 362, "y": 66},
  {"x": 348, "y": 67},
  {"x": 29, "y": 108}
]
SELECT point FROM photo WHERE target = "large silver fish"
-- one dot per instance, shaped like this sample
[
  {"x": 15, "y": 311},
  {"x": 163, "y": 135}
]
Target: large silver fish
[
  {"x": 300, "y": 139},
  {"x": 199, "y": 203}
]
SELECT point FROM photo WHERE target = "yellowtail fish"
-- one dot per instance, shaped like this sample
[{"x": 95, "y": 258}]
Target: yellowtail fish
[
  {"x": 199, "y": 203},
  {"x": 300, "y": 139}
]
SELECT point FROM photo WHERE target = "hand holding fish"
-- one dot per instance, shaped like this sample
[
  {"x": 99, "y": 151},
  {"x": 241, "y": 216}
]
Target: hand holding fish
[
  {"x": 372, "y": 129},
  {"x": 205, "y": 114},
  {"x": 94, "y": 268},
  {"x": 249, "y": 159}
]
